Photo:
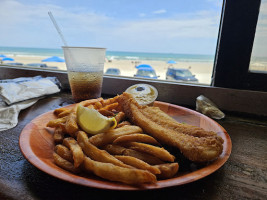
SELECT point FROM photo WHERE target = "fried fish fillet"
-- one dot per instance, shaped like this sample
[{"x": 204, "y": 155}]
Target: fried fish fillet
[{"x": 194, "y": 142}]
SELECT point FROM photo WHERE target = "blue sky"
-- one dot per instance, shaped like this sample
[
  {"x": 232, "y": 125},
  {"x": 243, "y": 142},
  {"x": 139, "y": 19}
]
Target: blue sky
[{"x": 169, "y": 26}]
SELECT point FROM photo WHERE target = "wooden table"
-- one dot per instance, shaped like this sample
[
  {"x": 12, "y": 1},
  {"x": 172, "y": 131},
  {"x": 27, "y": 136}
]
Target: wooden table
[{"x": 244, "y": 176}]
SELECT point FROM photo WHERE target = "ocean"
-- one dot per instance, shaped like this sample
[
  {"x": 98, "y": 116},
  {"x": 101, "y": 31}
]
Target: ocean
[{"x": 118, "y": 55}]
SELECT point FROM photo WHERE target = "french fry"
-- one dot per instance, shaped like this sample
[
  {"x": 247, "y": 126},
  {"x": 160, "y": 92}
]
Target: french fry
[
  {"x": 60, "y": 110},
  {"x": 97, "y": 154},
  {"x": 56, "y": 122},
  {"x": 71, "y": 125},
  {"x": 114, "y": 149},
  {"x": 98, "y": 105},
  {"x": 64, "y": 152},
  {"x": 120, "y": 150},
  {"x": 76, "y": 150},
  {"x": 110, "y": 101},
  {"x": 127, "y": 155},
  {"x": 61, "y": 162},
  {"x": 91, "y": 106},
  {"x": 123, "y": 124},
  {"x": 168, "y": 170},
  {"x": 65, "y": 113},
  {"x": 137, "y": 163},
  {"x": 150, "y": 159},
  {"x": 86, "y": 103},
  {"x": 106, "y": 113},
  {"x": 110, "y": 106},
  {"x": 144, "y": 138},
  {"x": 108, "y": 137},
  {"x": 159, "y": 152},
  {"x": 58, "y": 134},
  {"x": 90, "y": 101},
  {"x": 120, "y": 174},
  {"x": 119, "y": 117}
]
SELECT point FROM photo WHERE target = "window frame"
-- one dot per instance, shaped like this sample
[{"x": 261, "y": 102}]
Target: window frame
[{"x": 234, "y": 48}]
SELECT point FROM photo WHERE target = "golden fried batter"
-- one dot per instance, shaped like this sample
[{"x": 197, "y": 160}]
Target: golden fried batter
[{"x": 194, "y": 142}]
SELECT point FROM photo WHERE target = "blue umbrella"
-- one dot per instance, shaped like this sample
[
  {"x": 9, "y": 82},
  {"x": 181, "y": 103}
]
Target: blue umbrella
[
  {"x": 53, "y": 59},
  {"x": 7, "y": 59},
  {"x": 2, "y": 56},
  {"x": 144, "y": 66},
  {"x": 146, "y": 69},
  {"x": 171, "y": 62}
]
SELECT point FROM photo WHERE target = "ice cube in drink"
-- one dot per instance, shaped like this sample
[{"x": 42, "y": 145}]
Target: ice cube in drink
[{"x": 85, "y": 85}]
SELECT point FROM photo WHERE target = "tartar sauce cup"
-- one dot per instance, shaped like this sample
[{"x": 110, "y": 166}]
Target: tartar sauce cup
[{"x": 144, "y": 94}]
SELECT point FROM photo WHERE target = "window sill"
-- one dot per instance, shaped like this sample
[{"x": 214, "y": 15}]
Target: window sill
[{"x": 229, "y": 100}]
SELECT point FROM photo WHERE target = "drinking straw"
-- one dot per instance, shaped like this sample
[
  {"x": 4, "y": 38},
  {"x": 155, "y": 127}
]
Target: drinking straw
[{"x": 57, "y": 27}]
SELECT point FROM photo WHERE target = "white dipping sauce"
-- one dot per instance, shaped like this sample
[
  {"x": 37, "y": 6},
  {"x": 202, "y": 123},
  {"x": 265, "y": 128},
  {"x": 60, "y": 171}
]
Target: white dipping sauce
[{"x": 144, "y": 94}]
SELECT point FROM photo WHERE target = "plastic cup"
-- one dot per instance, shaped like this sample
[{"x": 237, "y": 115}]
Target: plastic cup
[{"x": 85, "y": 67}]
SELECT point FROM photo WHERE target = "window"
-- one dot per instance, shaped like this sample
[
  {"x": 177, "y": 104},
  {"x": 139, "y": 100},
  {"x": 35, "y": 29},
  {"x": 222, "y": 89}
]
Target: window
[
  {"x": 235, "y": 42},
  {"x": 173, "y": 33},
  {"x": 259, "y": 52}
]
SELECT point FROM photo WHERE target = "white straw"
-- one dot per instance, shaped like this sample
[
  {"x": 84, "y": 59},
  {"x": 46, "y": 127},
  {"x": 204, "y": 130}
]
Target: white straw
[{"x": 57, "y": 27}]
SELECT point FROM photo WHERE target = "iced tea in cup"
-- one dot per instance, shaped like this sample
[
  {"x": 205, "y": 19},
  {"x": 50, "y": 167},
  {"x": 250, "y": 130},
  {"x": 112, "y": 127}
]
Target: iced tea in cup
[{"x": 85, "y": 67}]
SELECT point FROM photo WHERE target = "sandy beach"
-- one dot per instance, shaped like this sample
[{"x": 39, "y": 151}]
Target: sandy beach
[{"x": 202, "y": 70}]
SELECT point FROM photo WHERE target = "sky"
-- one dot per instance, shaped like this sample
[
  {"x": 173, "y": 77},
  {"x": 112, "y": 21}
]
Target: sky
[{"x": 166, "y": 26}]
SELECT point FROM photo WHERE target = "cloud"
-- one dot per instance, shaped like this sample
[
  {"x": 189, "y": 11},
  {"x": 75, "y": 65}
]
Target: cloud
[
  {"x": 182, "y": 33},
  {"x": 29, "y": 25},
  {"x": 159, "y": 11},
  {"x": 141, "y": 14}
]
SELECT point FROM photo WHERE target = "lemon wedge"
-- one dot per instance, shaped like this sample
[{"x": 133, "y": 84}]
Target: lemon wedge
[{"x": 92, "y": 122}]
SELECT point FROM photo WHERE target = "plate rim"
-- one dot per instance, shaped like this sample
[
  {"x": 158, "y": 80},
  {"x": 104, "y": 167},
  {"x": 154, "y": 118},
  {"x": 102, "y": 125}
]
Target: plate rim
[{"x": 24, "y": 141}]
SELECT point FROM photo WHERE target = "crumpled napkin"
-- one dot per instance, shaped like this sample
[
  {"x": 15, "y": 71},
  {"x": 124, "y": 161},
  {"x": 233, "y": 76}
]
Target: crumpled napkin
[{"x": 20, "y": 93}]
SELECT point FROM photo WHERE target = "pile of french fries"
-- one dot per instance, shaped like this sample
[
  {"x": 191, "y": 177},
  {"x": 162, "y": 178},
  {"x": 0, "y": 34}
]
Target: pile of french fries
[{"x": 124, "y": 154}]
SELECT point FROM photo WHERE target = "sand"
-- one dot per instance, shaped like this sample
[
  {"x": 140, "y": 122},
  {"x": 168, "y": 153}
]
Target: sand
[{"x": 202, "y": 70}]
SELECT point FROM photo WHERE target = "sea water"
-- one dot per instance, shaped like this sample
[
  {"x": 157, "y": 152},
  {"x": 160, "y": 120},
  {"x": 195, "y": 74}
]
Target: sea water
[{"x": 110, "y": 55}]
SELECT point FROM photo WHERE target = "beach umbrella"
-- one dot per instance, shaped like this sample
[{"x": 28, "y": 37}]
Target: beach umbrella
[
  {"x": 144, "y": 66},
  {"x": 7, "y": 59},
  {"x": 2, "y": 56},
  {"x": 53, "y": 59},
  {"x": 171, "y": 62}
]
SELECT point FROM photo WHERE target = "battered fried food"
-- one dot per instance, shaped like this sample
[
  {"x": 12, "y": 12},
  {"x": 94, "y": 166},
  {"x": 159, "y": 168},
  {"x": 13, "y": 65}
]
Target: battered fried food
[
  {"x": 123, "y": 154},
  {"x": 194, "y": 142}
]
